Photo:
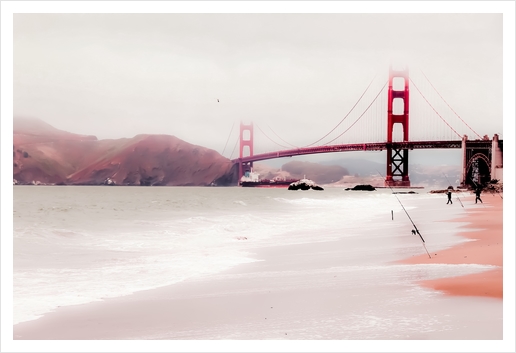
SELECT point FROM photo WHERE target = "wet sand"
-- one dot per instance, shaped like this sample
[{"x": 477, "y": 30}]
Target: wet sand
[
  {"x": 299, "y": 293},
  {"x": 485, "y": 229}
]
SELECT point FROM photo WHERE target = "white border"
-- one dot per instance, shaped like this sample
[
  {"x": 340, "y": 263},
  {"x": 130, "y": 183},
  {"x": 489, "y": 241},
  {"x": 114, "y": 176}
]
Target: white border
[{"x": 369, "y": 7}]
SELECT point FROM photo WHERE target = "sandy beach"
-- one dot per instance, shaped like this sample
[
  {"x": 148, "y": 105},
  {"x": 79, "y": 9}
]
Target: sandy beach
[
  {"x": 299, "y": 293},
  {"x": 485, "y": 229}
]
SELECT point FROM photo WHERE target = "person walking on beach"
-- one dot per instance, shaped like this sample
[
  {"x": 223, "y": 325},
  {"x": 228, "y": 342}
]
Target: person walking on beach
[
  {"x": 477, "y": 193},
  {"x": 449, "y": 197}
]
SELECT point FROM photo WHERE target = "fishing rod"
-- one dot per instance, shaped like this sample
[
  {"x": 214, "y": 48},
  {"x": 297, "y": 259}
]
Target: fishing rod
[
  {"x": 476, "y": 185},
  {"x": 416, "y": 230},
  {"x": 450, "y": 185}
]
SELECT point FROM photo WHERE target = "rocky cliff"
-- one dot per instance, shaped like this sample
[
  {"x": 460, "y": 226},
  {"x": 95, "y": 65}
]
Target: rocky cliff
[{"x": 45, "y": 155}]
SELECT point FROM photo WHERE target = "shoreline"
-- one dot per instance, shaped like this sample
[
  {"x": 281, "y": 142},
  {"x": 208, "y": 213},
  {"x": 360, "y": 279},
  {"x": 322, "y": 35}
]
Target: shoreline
[
  {"x": 485, "y": 230},
  {"x": 293, "y": 292}
]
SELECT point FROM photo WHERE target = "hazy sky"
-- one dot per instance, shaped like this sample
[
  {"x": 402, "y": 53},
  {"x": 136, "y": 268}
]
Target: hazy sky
[{"x": 119, "y": 75}]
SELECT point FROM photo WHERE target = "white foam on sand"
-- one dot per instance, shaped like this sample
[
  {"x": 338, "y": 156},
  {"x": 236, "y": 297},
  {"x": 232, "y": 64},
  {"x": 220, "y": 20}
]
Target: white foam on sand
[{"x": 163, "y": 252}]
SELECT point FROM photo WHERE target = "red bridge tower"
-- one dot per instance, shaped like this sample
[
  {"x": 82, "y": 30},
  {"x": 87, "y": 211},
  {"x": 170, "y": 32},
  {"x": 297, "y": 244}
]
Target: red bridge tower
[
  {"x": 246, "y": 140},
  {"x": 397, "y": 159}
]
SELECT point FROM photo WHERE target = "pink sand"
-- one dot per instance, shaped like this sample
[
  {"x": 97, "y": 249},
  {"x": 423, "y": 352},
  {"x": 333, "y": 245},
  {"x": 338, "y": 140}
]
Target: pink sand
[{"x": 487, "y": 249}]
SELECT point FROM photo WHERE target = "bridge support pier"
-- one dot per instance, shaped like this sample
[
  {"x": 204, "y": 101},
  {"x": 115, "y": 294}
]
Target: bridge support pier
[
  {"x": 397, "y": 166},
  {"x": 481, "y": 162},
  {"x": 463, "y": 175},
  {"x": 496, "y": 159}
]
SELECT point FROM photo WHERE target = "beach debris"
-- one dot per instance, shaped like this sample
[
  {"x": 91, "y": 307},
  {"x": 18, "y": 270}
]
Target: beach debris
[
  {"x": 443, "y": 191},
  {"x": 494, "y": 187}
]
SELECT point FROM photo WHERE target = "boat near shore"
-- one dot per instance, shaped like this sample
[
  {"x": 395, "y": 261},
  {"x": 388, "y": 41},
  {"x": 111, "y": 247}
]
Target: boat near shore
[{"x": 252, "y": 179}]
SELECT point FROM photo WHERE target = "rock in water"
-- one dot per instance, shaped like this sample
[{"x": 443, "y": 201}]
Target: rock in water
[
  {"x": 363, "y": 188},
  {"x": 304, "y": 184}
]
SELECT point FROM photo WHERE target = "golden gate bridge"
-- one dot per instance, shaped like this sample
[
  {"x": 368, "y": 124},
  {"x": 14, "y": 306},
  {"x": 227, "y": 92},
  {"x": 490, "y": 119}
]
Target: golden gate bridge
[{"x": 393, "y": 118}]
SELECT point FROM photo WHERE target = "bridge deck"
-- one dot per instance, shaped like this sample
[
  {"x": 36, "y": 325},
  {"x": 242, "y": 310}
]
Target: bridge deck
[{"x": 378, "y": 146}]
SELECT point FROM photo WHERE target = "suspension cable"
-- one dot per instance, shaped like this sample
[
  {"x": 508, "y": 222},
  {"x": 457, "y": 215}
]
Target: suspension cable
[
  {"x": 232, "y": 126},
  {"x": 234, "y": 148},
  {"x": 281, "y": 138},
  {"x": 365, "y": 111},
  {"x": 269, "y": 137},
  {"x": 352, "y": 108},
  {"x": 450, "y": 106},
  {"x": 431, "y": 106}
]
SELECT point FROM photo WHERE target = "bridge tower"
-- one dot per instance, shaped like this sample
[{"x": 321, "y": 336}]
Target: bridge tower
[
  {"x": 397, "y": 159},
  {"x": 246, "y": 140}
]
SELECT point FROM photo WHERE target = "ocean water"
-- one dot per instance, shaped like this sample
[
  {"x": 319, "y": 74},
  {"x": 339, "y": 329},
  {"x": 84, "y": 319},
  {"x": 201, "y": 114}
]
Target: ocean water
[{"x": 79, "y": 244}]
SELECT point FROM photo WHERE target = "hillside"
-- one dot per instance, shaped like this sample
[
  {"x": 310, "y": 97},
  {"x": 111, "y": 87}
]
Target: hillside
[
  {"x": 348, "y": 172},
  {"x": 321, "y": 174},
  {"x": 43, "y": 154},
  {"x": 369, "y": 172}
]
